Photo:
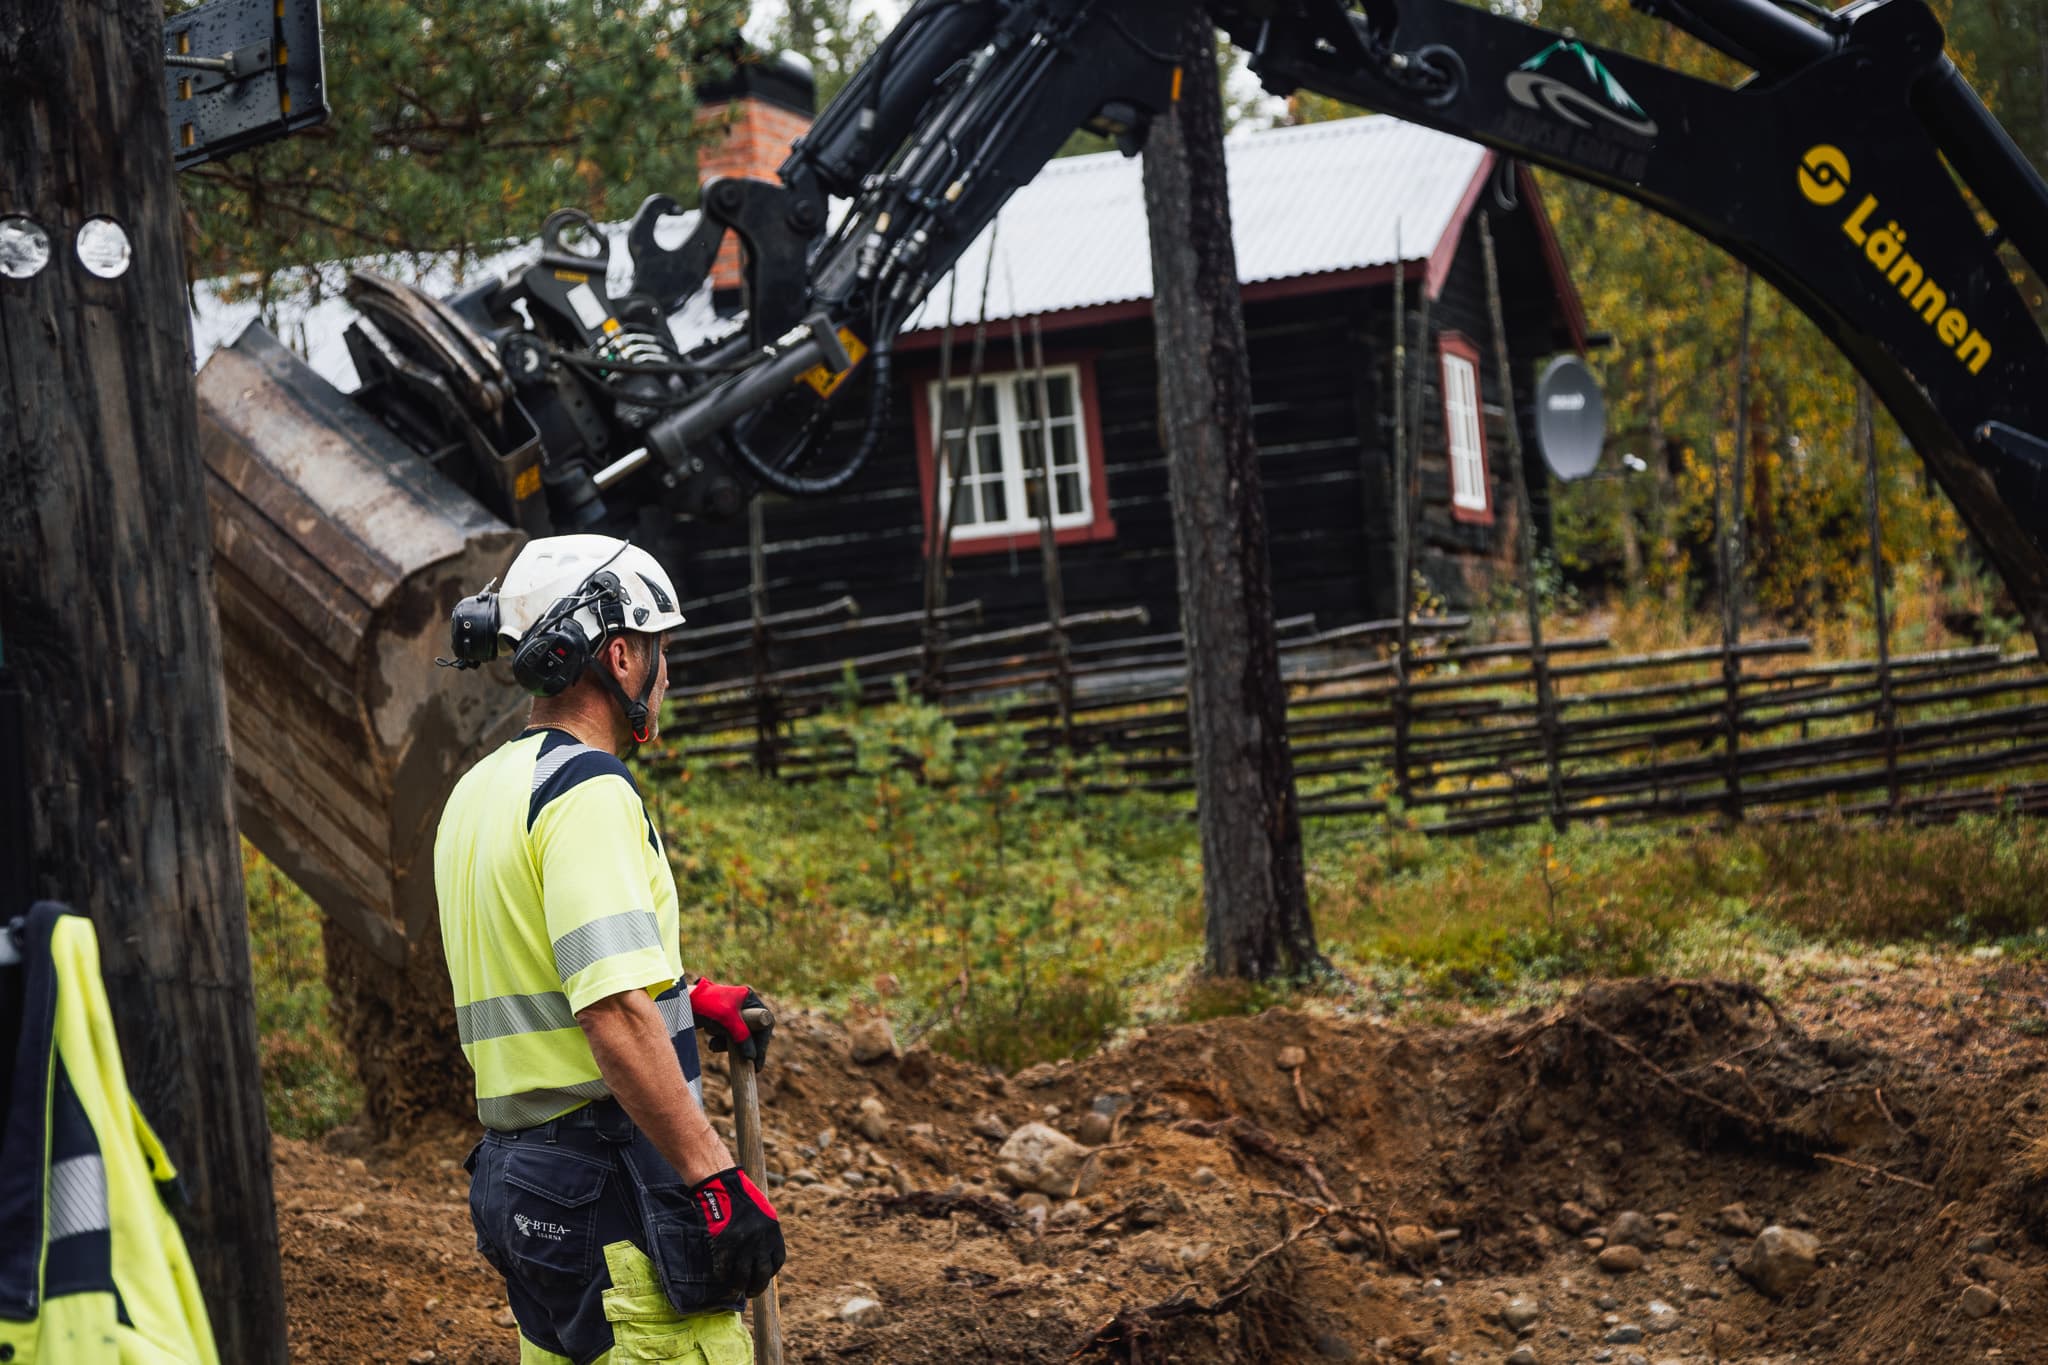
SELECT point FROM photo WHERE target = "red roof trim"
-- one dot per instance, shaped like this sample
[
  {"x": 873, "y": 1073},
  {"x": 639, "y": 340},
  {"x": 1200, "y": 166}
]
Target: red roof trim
[
  {"x": 1569, "y": 303},
  {"x": 1446, "y": 249}
]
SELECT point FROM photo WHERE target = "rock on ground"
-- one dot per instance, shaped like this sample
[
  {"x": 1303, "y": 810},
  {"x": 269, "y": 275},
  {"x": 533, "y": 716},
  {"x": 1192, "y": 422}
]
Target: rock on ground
[
  {"x": 1780, "y": 1260},
  {"x": 872, "y": 1122},
  {"x": 870, "y": 1038},
  {"x": 1620, "y": 1260},
  {"x": 1036, "y": 1157},
  {"x": 1978, "y": 1301},
  {"x": 1413, "y": 1243},
  {"x": 1631, "y": 1227},
  {"x": 1737, "y": 1221}
]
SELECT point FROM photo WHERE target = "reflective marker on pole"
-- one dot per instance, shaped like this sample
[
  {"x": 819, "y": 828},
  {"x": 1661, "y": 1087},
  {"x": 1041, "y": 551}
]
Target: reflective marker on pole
[
  {"x": 24, "y": 247},
  {"x": 103, "y": 248}
]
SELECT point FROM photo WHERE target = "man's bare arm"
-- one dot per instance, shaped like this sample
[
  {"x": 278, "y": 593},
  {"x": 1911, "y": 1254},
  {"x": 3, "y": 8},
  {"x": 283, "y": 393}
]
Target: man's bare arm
[{"x": 637, "y": 1060}]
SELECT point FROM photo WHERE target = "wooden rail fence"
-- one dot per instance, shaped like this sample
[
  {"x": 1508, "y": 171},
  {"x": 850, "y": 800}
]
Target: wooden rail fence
[{"x": 1465, "y": 738}]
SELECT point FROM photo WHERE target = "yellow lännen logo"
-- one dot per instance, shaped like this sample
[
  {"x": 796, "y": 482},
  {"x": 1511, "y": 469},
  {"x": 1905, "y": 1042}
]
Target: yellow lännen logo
[
  {"x": 1824, "y": 180},
  {"x": 1824, "y": 177}
]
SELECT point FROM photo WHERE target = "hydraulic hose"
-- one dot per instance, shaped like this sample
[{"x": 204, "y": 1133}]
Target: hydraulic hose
[{"x": 778, "y": 477}]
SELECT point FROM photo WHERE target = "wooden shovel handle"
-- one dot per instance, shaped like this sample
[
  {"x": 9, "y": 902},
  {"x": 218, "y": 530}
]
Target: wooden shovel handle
[{"x": 746, "y": 1122}]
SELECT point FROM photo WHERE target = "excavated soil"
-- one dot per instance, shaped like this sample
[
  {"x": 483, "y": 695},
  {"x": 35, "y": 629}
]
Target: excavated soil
[{"x": 1383, "y": 1201}]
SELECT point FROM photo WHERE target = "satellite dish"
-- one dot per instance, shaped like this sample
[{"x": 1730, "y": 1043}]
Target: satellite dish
[{"x": 1571, "y": 418}]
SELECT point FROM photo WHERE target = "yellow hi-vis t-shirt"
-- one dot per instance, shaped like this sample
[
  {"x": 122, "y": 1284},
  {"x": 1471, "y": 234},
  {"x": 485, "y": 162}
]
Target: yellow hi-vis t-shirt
[{"x": 554, "y": 894}]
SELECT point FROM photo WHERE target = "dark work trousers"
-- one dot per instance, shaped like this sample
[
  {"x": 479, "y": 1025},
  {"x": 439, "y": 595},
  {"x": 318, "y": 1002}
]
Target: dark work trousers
[{"x": 547, "y": 1200}]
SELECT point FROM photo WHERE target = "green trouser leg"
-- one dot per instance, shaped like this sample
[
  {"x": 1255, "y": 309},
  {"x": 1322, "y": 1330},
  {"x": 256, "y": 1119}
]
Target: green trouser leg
[{"x": 646, "y": 1330}]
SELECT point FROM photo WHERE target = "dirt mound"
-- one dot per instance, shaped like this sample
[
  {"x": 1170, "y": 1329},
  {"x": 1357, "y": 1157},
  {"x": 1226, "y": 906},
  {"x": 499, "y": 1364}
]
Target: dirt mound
[{"x": 1290, "y": 1187}]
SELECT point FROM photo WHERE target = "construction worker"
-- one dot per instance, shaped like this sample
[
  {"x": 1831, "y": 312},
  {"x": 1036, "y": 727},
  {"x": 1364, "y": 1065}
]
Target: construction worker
[{"x": 600, "y": 1191}]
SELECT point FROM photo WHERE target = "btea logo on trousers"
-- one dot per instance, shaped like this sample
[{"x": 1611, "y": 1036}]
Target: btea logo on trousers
[
  {"x": 1824, "y": 180},
  {"x": 534, "y": 1227}
]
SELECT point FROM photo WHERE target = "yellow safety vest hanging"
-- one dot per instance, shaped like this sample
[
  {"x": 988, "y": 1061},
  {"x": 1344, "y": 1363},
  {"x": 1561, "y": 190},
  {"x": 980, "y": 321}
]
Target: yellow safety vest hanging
[{"x": 92, "y": 1267}]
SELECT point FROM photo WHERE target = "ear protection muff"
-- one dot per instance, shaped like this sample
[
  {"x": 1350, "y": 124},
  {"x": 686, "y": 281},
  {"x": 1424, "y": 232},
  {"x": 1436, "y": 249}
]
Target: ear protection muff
[
  {"x": 550, "y": 658},
  {"x": 473, "y": 630}
]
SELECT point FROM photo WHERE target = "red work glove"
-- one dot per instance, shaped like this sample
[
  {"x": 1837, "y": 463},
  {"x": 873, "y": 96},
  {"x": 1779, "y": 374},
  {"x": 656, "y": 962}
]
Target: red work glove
[
  {"x": 721, "y": 1011},
  {"x": 746, "y": 1239}
]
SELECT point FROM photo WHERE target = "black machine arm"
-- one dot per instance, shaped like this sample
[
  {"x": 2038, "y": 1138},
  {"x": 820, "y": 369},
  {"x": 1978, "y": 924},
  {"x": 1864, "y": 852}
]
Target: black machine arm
[
  {"x": 1855, "y": 170},
  {"x": 1833, "y": 172}
]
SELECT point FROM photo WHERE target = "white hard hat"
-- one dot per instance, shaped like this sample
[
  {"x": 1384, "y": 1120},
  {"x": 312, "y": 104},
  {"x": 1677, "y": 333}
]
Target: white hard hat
[{"x": 558, "y": 567}]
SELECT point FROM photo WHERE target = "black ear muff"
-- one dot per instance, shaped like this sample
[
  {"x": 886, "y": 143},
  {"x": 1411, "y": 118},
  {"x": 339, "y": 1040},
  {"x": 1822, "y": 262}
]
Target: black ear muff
[
  {"x": 551, "y": 657},
  {"x": 473, "y": 631}
]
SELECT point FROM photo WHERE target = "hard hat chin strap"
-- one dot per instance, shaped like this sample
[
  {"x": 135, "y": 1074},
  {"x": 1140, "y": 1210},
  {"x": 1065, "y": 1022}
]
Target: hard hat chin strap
[{"x": 634, "y": 709}]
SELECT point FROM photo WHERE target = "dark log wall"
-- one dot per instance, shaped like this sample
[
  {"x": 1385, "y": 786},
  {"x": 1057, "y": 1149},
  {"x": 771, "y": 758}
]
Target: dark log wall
[
  {"x": 1322, "y": 418},
  {"x": 1462, "y": 560}
]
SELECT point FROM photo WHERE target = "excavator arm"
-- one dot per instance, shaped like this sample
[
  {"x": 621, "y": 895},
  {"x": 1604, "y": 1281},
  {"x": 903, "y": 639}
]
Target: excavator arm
[{"x": 1855, "y": 170}]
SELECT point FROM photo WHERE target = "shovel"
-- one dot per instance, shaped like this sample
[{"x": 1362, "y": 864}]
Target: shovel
[{"x": 746, "y": 1123}]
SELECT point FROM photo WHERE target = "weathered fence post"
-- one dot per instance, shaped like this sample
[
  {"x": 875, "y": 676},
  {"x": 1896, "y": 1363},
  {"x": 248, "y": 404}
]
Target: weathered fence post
[
  {"x": 1048, "y": 546},
  {"x": 767, "y": 714},
  {"x": 1408, "y": 457},
  {"x": 1525, "y": 530},
  {"x": 1887, "y": 712},
  {"x": 1730, "y": 534},
  {"x": 1398, "y": 479},
  {"x": 932, "y": 664}
]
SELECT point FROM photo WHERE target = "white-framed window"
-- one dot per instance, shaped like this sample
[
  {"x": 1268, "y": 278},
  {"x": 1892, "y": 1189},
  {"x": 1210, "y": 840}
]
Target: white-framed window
[
  {"x": 993, "y": 479},
  {"x": 1464, "y": 434}
]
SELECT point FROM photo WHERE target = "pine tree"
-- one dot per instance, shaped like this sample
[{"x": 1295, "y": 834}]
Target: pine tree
[{"x": 458, "y": 127}]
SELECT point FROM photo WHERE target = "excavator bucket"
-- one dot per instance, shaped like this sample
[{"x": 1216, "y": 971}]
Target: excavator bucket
[{"x": 338, "y": 554}]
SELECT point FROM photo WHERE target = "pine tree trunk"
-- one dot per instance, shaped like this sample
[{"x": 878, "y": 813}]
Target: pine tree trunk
[
  {"x": 107, "y": 610},
  {"x": 1252, "y": 885}
]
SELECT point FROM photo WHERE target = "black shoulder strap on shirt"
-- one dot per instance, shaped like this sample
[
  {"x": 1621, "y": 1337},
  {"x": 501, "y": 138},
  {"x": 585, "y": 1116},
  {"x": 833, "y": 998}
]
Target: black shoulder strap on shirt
[{"x": 24, "y": 1138}]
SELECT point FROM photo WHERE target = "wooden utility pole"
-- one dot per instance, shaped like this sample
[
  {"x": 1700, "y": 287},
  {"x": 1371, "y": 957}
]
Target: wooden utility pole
[
  {"x": 1252, "y": 885},
  {"x": 106, "y": 604}
]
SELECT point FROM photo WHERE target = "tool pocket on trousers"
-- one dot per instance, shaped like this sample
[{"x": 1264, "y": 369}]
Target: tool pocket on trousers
[
  {"x": 547, "y": 1209},
  {"x": 682, "y": 1255},
  {"x": 676, "y": 1238},
  {"x": 647, "y": 1328}
]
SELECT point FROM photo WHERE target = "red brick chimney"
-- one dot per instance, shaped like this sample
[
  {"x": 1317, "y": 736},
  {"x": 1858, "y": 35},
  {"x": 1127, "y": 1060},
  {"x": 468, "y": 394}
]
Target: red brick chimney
[{"x": 746, "y": 124}]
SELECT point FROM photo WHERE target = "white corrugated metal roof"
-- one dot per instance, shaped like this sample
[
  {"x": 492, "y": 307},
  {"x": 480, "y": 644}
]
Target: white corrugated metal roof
[
  {"x": 314, "y": 329},
  {"x": 1303, "y": 201}
]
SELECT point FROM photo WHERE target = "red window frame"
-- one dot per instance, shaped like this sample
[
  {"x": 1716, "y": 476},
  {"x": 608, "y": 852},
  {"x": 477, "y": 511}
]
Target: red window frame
[
  {"x": 1459, "y": 345},
  {"x": 1100, "y": 526}
]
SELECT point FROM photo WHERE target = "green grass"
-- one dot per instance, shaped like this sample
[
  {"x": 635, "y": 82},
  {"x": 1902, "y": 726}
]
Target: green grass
[
  {"x": 308, "y": 1084},
  {"x": 1010, "y": 930}
]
